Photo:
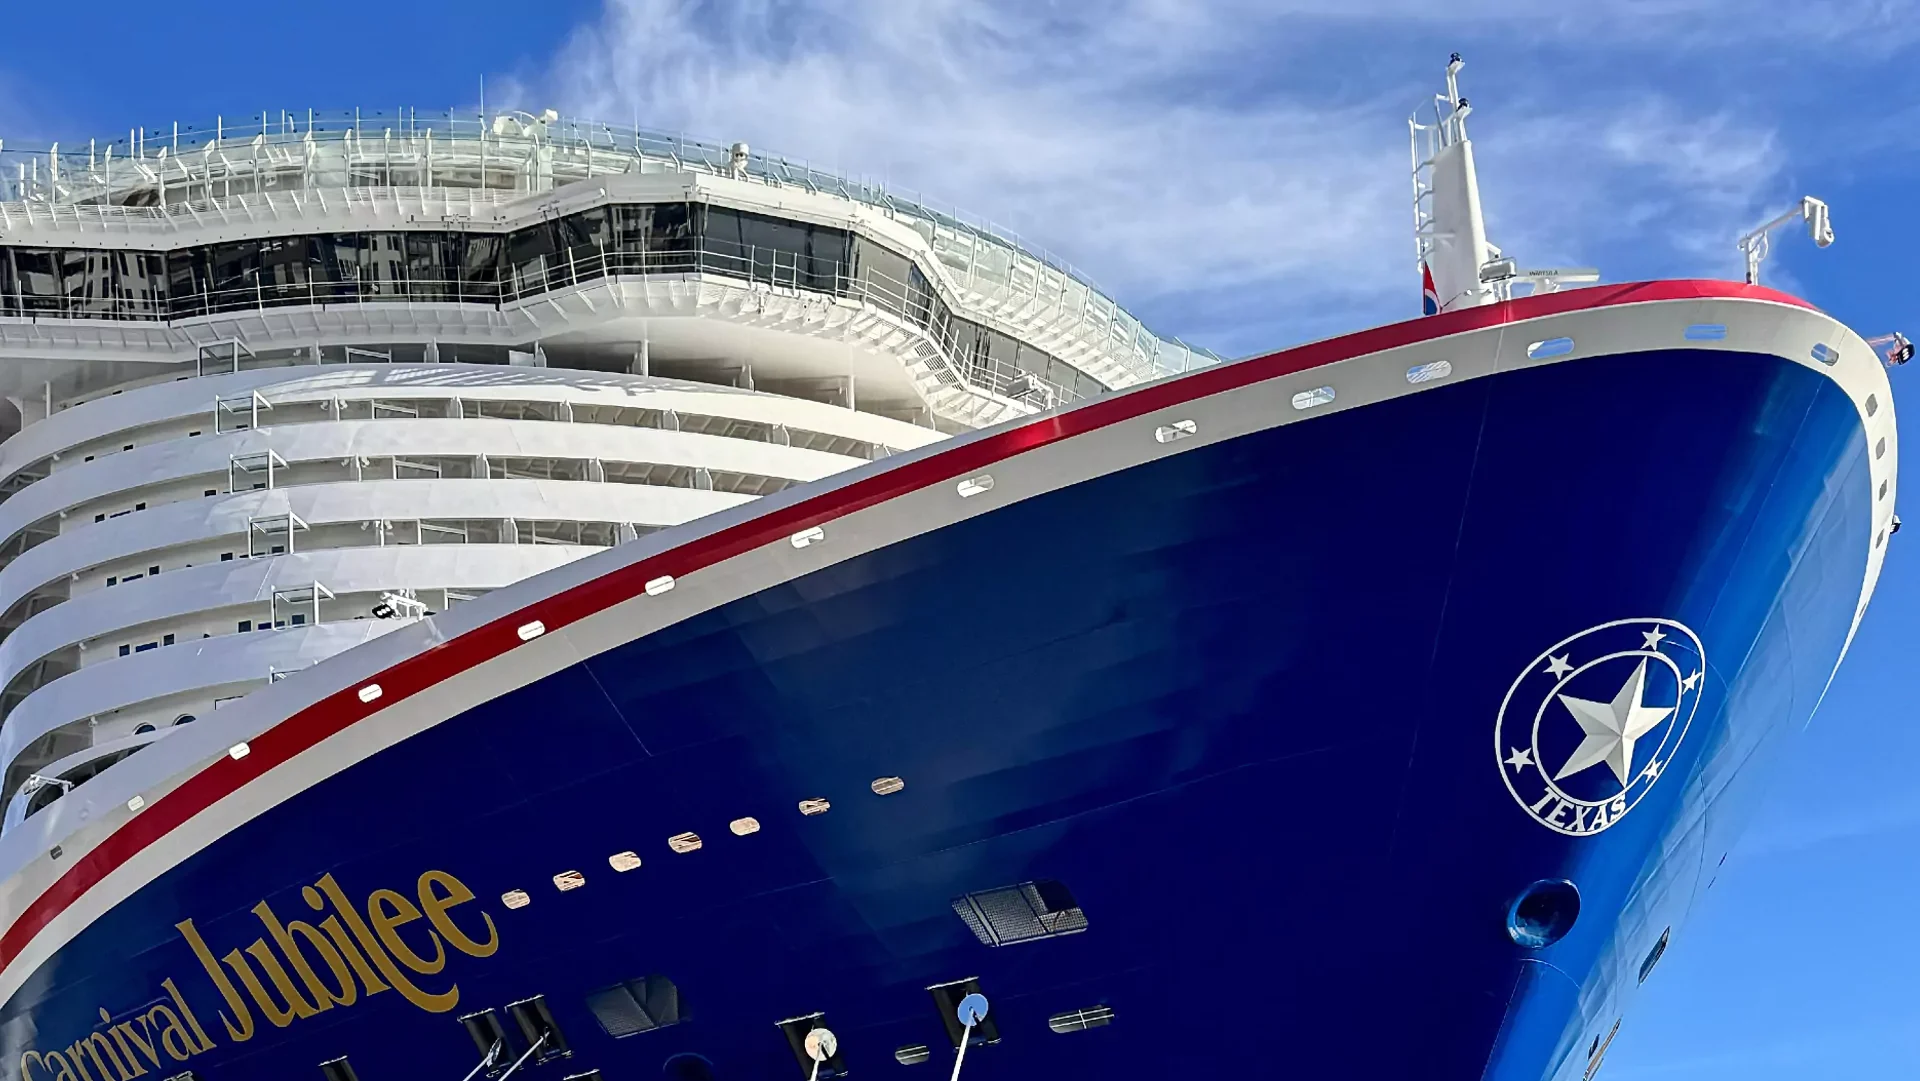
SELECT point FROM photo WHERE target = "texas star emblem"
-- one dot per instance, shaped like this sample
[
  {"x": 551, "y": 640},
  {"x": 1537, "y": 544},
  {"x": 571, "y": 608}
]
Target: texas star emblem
[{"x": 1591, "y": 724}]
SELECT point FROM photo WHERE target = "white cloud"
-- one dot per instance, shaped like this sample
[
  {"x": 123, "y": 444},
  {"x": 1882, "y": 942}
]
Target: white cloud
[{"x": 1214, "y": 165}]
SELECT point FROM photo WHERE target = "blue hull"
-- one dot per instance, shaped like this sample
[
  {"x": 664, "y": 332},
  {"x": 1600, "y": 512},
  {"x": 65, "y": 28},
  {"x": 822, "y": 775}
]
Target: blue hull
[{"x": 1239, "y": 701}]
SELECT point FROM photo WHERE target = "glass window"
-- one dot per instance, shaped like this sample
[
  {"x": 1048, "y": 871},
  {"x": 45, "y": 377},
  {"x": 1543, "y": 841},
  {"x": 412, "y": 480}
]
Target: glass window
[
  {"x": 431, "y": 268},
  {"x": 9, "y": 292},
  {"x": 383, "y": 264},
  {"x": 37, "y": 273},
  {"x": 187, "y": 282},
  {"x": 480, "y": 267},
  {"x": 338, "y": 269},
  {"x": 235, "y": 273},
  {"x": 656, "y": 239},
  {"x": 140, "y": 284},
  {"x": 882, "y": 275},
  {"x": 586, "y": 237},
  {"x": 87, "y": 280},
  {"x": 531, "y": 256}
]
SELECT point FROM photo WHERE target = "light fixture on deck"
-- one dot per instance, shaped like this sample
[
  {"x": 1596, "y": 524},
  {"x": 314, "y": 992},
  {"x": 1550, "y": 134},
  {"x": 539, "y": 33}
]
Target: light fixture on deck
[
  {"x": 1894, "y": 348},
  {"x": 1755, "y": 244},
  {"x": 338, "y": 1069},
  {"x": 814, "y": 1046}
]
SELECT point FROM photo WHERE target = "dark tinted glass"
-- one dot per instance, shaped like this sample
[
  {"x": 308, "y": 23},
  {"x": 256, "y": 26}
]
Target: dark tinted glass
[{"x": 665, "y": 238}]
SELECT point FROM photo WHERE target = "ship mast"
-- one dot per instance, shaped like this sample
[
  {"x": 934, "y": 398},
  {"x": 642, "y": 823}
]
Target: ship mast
[{"x": 1450, "y": 233}]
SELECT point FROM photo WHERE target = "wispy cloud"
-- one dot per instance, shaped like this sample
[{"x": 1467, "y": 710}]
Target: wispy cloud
[{"x": 1234, "y": 171}]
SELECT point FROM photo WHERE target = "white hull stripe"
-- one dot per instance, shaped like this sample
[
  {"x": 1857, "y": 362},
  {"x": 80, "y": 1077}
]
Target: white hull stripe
[{"x": 192, "y": 793}]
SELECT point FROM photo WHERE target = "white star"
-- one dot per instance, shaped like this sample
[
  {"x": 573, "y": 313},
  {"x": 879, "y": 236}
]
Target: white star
[
  {"x": 1652, "y": 772},
  {"x": 1653, "y": 638},
  {"x": 1688, "y": 683},
  {"x": 1520, "y": 759},
  {"x": 1611, "y": 727},
  {"x": 1558, "y": 666}
]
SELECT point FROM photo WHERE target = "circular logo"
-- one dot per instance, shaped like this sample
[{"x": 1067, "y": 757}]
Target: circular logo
[{"x": 1591, "y": 724}]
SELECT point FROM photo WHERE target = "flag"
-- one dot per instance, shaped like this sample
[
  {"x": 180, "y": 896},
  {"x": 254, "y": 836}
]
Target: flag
[{"x": 1430, "y": 297}]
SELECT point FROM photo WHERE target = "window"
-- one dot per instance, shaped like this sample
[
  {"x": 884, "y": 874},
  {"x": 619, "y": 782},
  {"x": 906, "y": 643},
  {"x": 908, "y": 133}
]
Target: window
[
  {"x": 125, "y": 650},
  {"x": 139, "y": 506},
  {"x": 88, "y": 458},
  {"x": 99, "y": 517},
  {"x": 144, "y": 646},
  {"x": 166, "y": 639},
  {"x": 113, "y": 580},
  {"x": 143, "y": 729},
  {"x": 225, "y": 556},
  {"x": 209, "y": 491},
  {"x": 129, "y": 446},
  {"x": 246, "y": 625},
  {"x": 153, "y": 570},
  {"x": 184, "y": 718}
]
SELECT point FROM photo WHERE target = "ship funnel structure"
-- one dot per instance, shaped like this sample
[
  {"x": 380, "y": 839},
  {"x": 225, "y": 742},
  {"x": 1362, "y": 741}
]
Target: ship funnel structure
[{"x": 1458, "y": 267}]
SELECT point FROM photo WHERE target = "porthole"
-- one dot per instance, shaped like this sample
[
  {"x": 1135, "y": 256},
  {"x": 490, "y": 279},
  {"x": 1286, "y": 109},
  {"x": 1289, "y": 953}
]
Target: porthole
[
  {"x": 974, "y": 486},
  {"x": 808, "y": 537},
  {"x": 1427, "y": 373},
  {"x": 143, "y": 729},
  {"x": 515, "y": 899},
  {"x": 184, "y": 718},
  {"x": 744, "y": 827},
  {"x": 812, "y": 807},
  {"x": 529, "y": 631},
  {"x": 1826, "y": 354},
  {"x": 1081, "y": 1020},
  {"x": 1543, "y": 913},
  {"x": 624, "y": 861},
  {"x": 1552, "y": 347},
  {"x": 1880, "y": 449},
  {"x": 684, "y": 842},
  {"x": 887, "y": 786},
  {"x": 1653, "y": 955},
  {"x": 1883, "y": 489},
  {"x": 1308, "y": 399},
  {"x": 659, "y": 585},
  {"x": 1706, "y": 332},
  {"x": 913, "y": 1054},
  {"x": 1179, "y": 429},
  {"x": 569, "y": 880},
  {"x": 1873, "y": 405}
]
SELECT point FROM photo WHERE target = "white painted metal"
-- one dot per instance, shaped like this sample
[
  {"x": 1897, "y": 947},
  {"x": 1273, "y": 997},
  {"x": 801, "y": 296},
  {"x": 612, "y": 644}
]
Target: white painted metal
[{"x": 151, "y": 530}]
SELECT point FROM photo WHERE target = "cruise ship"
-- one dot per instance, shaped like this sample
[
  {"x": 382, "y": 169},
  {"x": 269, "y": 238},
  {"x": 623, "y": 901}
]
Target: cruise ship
[{"x": 498, "y": 596}]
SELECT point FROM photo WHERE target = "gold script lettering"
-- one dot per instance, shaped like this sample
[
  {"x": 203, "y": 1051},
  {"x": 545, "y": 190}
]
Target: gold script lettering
[
  {"x": 450, "y": 892},
  {"x": 240, "y": 1025},
  {"x": 347, "y": 992},
  {"x": 432, "y": 1003}
]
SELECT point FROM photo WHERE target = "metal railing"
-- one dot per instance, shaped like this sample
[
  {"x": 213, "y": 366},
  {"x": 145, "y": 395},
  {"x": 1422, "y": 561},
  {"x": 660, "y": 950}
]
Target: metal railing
[
  {"x": 309, "y": 285},
  {"x": 156, "y": 173}
]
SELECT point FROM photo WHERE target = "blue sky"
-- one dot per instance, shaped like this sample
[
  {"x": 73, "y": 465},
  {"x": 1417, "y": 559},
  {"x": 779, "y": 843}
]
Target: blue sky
[{"x": 1235, "y": 172}]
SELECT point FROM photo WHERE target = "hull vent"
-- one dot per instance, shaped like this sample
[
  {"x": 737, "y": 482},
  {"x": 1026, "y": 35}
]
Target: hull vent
[
  {"x": 635, "y": 1006},
  {"x": 1023, "y": 913}
]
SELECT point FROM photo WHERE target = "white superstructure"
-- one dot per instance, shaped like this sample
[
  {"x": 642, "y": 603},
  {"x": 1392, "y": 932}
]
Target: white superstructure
[{"x": 280, "y": 390}]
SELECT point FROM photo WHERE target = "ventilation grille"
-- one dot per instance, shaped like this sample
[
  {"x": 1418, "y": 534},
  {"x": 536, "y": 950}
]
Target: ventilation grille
[
  {"x": 635, "y": 1006},
  {"x": 1023, "y": 913}
]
